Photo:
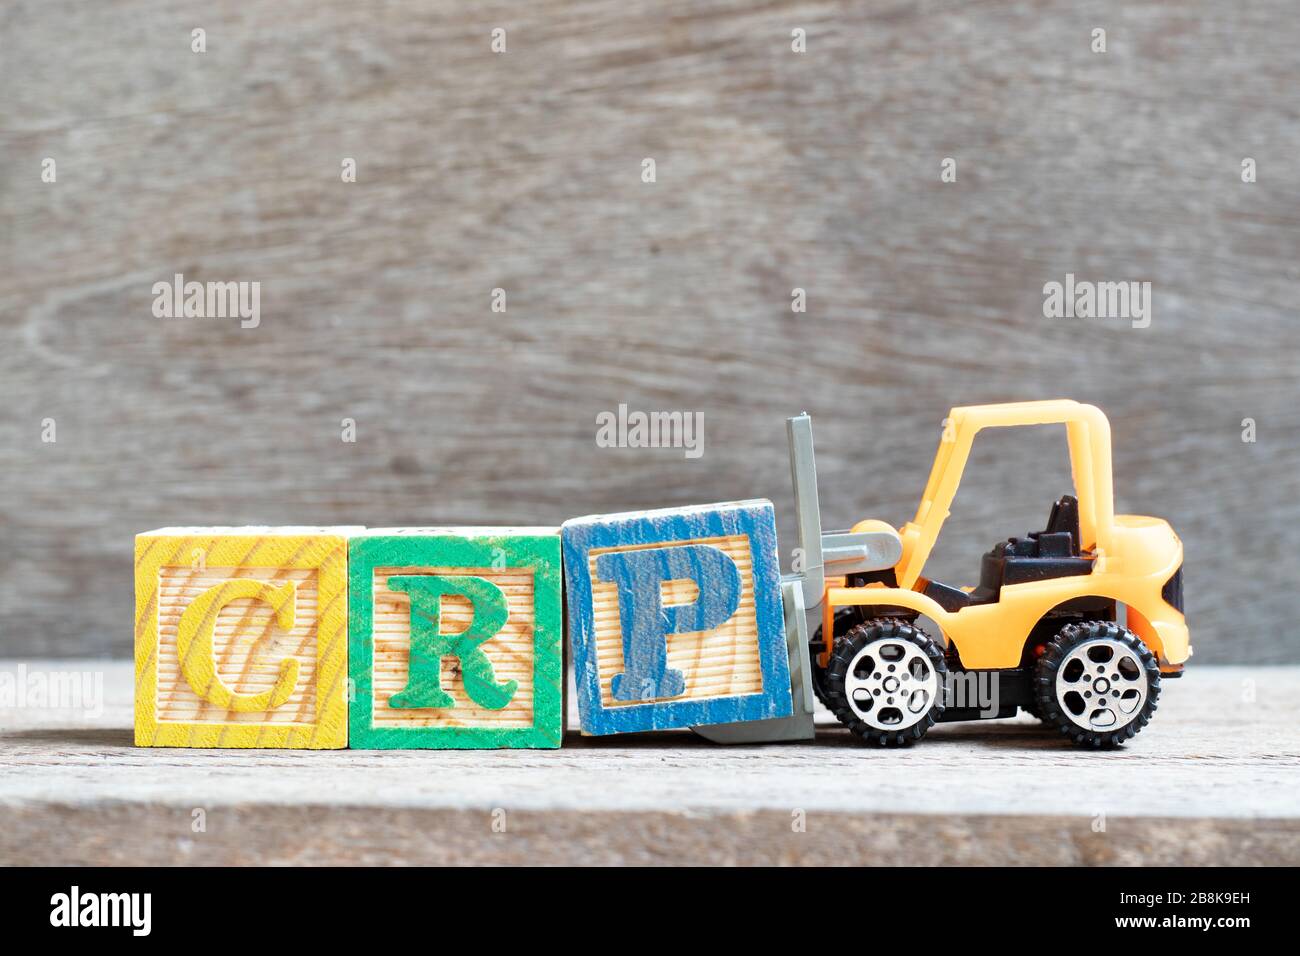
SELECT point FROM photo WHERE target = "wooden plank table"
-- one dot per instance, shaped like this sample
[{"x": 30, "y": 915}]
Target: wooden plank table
[{"x": 1214, "y": 780}]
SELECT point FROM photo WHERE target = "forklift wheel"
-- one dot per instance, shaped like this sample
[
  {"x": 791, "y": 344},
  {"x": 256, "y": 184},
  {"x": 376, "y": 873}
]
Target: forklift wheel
[
  {"x": 1097, "y": 683},
  {"x": 844, "y": 620},
  {"x": 885, "y": 682}
]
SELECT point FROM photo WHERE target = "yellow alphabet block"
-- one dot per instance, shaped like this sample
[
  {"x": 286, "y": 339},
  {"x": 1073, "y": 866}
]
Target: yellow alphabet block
[{"x": 241, "y": 637}]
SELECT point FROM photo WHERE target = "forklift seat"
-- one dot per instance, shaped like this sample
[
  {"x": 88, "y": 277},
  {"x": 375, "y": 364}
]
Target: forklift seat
[{"x": 1054, "y": 552}]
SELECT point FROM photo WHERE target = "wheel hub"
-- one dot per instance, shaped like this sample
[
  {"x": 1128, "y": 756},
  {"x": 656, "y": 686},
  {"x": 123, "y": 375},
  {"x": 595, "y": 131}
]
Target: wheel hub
[
  {"x": 1101, "y": 685},
  {"x": 891, "y": 684}
]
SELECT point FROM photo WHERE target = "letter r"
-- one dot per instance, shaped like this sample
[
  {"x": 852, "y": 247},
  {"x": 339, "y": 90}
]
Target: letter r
[
  {"x": 647, "y": 624},
  {"x": 429, "y": 646}
]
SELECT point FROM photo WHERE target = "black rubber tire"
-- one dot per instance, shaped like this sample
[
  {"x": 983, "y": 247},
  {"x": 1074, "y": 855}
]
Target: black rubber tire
[
  {"x": 1045, "y": 671},
  {"x": 847, "y": 648},
  {"x": 842, "y": 624}
]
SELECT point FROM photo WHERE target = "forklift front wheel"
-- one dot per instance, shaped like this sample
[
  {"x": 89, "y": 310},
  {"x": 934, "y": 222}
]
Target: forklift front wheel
[
  {"x": 844, "y": 620},
  {"x": 885, "y": 682}
]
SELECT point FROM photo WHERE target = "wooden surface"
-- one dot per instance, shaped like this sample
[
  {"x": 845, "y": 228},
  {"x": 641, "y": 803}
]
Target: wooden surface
[
  {"x": 1213, "y": 780},
  {"x": 522, "y": 171}
]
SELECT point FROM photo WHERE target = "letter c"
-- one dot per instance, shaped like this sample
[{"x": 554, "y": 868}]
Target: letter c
[{"x": 194, "y": 643}]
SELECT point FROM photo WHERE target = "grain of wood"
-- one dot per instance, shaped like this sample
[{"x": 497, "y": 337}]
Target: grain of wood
[
  {"x": 254, "y": 611},
  {"x": 510, "y": 650},
  {"x": 1213, "y": 780},
  {"x": 776, "y": 171},
  {"x": 247, "y": 647},
  {"x": 722, "y": 662}
]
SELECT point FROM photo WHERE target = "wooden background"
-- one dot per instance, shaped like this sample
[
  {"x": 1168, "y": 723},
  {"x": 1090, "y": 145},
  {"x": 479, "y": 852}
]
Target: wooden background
[{"x": 775, "y": 170}]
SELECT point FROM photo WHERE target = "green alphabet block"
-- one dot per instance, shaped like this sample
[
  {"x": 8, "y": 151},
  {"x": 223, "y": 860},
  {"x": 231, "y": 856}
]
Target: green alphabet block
[{"x": 455, "y": 638}]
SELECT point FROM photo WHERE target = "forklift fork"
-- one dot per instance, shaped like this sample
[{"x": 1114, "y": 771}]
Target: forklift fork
[{"x": 840, "y": 553}]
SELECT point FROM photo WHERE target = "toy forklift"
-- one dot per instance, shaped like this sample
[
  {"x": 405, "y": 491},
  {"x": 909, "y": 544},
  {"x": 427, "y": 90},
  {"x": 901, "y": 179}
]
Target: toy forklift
[{"x": 1076, "y": 624}]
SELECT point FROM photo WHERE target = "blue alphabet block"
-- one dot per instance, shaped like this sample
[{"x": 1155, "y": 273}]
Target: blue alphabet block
[{"x": 675, "y": 617}]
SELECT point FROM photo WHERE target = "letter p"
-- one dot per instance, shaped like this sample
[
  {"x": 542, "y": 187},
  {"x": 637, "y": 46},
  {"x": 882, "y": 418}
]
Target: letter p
[{"x": 647, "y": 624}]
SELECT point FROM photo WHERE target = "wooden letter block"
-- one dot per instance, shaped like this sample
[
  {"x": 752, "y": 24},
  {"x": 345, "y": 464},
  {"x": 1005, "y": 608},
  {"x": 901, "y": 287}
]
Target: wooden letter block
[
  {"x": 240, "y": 637},
  {"x": 675, "y": 617},
  {"x": 456, "y": 638}
]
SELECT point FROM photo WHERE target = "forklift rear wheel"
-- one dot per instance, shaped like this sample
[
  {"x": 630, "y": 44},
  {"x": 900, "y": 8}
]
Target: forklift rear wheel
[
  {"x": 885, "y": 682},
  {"x": 1097, "y": 683}
]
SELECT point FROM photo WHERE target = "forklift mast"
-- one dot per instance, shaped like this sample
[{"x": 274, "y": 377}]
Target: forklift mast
[{"x": 836, "y": 553}]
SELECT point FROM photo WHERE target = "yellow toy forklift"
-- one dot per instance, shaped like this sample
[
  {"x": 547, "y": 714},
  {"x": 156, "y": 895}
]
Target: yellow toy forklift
[{"x": 1077, "y": 623}]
